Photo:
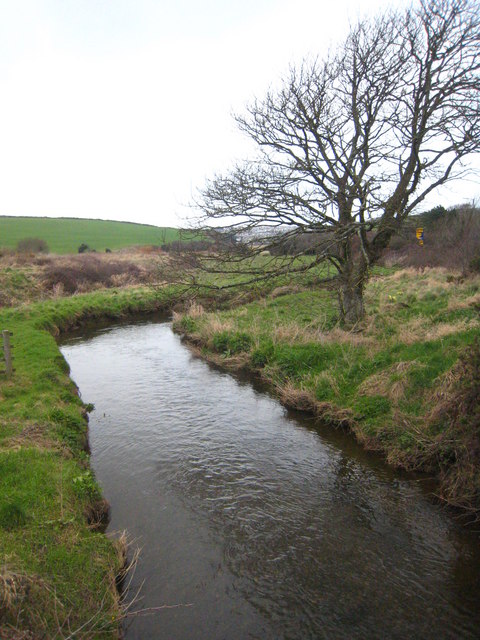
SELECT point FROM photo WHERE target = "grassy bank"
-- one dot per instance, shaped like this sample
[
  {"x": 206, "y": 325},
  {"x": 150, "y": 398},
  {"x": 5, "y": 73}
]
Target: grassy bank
[
  {"x": 406, "y": 384},
  {"x": 58, "y": 571}
]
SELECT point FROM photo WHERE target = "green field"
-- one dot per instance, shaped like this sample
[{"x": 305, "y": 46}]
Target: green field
[{"x": 65, "y": 235}]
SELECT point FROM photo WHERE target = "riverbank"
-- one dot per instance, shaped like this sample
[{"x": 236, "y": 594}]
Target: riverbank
[
  {"x": 406, "y": 384},
  {"x": 58, "y": 571},
  {"x": 402, "y": 385}
]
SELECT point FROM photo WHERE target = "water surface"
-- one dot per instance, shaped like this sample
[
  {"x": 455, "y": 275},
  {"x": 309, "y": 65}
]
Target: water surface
[{"x": 265, "y": 525}]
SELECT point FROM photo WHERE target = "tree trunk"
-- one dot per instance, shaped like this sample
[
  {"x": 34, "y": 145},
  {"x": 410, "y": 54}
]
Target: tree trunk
[
  {"x": 352, "y": 308},
  {"x": 353, "y": 275}
]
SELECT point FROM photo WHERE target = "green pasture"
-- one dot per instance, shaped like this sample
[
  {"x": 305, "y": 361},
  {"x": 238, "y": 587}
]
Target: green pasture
[{"x": 65, "y": 235}]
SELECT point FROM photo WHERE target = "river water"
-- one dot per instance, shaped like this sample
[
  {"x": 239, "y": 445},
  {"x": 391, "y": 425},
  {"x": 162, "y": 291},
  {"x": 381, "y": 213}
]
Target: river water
[{"x": 253, "y": 522}]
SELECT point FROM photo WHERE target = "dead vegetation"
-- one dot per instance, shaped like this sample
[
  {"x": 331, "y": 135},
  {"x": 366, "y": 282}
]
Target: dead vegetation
[
  {"x": 28, "y": 277},
  {"x": 20, "y": 595},
  {"x": 390, "y": 383},
  {"x": 304, "y": 400},
  {"x": 456, "y": 417},
  {"x": 97, "y": 514}
]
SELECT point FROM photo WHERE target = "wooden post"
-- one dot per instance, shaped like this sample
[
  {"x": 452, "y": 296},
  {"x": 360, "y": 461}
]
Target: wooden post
[{"x": 7, "y": 353}]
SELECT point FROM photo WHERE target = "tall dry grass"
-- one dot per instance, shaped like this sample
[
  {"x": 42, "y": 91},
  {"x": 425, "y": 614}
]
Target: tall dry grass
[{"x": 26, "y": 278}]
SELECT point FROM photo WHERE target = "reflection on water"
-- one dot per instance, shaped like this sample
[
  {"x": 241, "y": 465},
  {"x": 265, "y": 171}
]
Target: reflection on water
[{"x": 267, "y": 527}]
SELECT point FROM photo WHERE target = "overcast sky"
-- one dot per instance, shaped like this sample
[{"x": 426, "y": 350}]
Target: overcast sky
[{"x": 119, "y": 109}]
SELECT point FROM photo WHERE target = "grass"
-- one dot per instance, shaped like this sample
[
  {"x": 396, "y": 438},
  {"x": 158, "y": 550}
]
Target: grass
[
  {"x": 58, "y": 570},
  {"x": 57, "y": 573},
  {"x": 402, "y": 385},
  {"x": 383, "y": 381},
  {"x": 65, "y": 235}
]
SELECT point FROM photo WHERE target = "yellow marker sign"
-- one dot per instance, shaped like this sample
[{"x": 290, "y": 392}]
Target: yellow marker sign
[{"x": 420, "y": 236}]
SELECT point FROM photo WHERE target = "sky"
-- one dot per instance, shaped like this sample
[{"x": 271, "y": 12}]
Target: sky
[{"x": 121, "y": 109}]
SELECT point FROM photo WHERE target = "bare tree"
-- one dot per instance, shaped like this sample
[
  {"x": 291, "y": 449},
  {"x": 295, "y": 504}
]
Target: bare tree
[{"x": 351, "y": 145}]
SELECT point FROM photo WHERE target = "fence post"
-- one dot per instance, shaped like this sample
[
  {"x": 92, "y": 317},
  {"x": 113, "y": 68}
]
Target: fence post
[{"x": 7, "y": 353}]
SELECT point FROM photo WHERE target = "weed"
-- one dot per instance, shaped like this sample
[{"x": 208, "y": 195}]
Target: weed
[
  {"x": 188, "y": 324},
  {"x": 262, "y": 354},
  {"x": 86, "y": 487}
]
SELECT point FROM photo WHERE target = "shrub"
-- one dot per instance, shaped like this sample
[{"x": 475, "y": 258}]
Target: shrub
[
  {"x": 452, "y": 239},
  {"x": 32, "y": 245},
  {"x": 88, "y": 271},
  {"x": 83, "y": 248}
]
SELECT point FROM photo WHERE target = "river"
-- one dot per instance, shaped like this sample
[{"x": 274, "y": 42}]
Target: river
[{"x": 255, "y": 523}]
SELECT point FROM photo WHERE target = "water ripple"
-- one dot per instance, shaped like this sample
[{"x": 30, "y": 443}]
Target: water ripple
[{"x": 270, "y": 529}]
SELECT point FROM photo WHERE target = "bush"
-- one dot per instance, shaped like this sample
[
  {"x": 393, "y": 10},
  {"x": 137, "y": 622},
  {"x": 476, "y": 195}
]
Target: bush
[
  {"x": 32, "y": 245},
  {"x": 452, "y": 240},
  {"x": 83, "y": 248},
  {"x": 88, "y": 271}
]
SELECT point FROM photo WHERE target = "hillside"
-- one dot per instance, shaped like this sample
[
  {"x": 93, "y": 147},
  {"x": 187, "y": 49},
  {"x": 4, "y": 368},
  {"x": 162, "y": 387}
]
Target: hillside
[{"x": 65, "y": 235}]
